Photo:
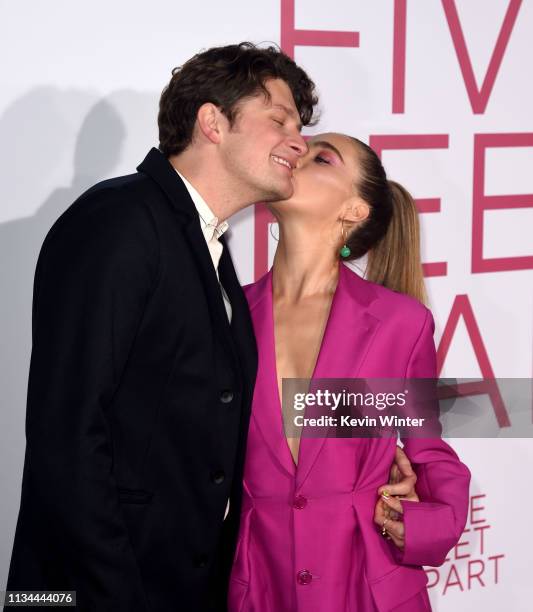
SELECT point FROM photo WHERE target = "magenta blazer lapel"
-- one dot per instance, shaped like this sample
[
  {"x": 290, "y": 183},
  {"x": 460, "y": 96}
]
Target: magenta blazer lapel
[
  {"x": 347, "y": 338},
  {"x": 266, "y": 407}
]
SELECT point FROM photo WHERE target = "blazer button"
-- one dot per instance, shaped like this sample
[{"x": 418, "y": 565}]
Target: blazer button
[
  {"x": 304, "y": 577},
  {"x": 226, "y": 397},
  {"x": 201, "y": 561},
  {"x": 218, "y": 477},
  {"x": 300, "y": 502}
]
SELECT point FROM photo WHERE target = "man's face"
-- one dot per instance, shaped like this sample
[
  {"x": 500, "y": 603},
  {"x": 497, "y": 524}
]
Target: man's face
[{"x": 262, "y": 147}]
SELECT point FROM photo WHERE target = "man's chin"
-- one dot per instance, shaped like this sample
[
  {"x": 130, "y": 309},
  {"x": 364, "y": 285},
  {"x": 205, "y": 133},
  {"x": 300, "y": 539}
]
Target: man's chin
[{"x": 282, "y": 194}]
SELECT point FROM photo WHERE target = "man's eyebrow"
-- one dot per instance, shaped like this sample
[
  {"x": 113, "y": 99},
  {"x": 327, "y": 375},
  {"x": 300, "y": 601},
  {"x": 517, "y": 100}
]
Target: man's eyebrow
[
  {"x": 327, "y": 145},
  {"x": 289, "y": 112}
]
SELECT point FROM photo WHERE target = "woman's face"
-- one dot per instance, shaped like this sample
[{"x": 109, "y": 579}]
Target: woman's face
[{"x": 324, "y": 180}]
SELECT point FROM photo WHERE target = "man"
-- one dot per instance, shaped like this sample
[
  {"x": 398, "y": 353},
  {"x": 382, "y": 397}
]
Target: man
[{"x": 143, "y": 357}]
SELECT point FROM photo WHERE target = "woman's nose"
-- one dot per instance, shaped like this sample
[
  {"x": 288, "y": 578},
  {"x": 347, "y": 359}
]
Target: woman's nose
[{"x": 303, "y": 159}]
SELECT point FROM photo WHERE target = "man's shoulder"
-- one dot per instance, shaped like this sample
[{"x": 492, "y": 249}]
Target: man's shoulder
[
  {"x": 112, "y": 195},
  {"x": 113, "y": 209},
  {"x": 136, "y": 186}
]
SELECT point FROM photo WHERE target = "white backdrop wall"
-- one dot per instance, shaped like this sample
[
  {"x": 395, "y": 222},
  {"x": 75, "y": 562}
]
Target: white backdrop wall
[{"x": 441, "y": 87}]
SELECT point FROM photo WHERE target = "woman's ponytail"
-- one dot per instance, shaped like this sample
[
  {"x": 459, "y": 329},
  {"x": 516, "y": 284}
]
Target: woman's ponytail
[
  {"x": 395, "y": 260},
  {"x": 390, "y": 236}
]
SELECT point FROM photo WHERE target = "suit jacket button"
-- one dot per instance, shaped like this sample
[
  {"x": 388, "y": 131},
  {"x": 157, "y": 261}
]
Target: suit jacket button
[
  {"x": 300, "y": 502},
  {"x": 226, "y": 397},
  {"x": 218, "y": 477},
  {"x": 201, "y": 561},
  {"x": 304, "y": 577}
]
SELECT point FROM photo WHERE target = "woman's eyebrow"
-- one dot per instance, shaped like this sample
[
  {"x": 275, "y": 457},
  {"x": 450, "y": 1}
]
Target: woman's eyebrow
[{"x": 327, "y": 145}]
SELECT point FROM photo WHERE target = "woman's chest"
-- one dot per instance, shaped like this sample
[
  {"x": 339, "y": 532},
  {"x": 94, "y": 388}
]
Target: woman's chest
[{"x": 298, "y": 333}]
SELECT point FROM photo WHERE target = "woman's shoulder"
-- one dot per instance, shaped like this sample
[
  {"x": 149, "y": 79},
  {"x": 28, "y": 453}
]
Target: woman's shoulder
[{"x": 385, "y": 302}]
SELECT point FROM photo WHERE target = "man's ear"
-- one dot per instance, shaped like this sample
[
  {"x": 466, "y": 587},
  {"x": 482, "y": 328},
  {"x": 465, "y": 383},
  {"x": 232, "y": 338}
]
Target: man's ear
[
  {"x": 355, "y": 210},
  {"x": 208, "y": 122}
]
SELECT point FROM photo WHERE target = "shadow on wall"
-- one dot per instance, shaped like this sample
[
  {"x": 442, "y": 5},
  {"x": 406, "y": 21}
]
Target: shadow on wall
[{"x": 37, "y": 134}]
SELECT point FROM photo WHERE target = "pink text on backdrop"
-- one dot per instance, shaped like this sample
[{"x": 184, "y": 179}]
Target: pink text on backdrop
[
  {"x": 461, "y": 308},
  {"x": 478, "y": 96},
  {"x": 291, "y": 37},
  {"x": 482, "y": 202},
  {"x": 469, "y": 564}
]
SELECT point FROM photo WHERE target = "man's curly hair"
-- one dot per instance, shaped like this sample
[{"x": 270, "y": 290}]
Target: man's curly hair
[{"x": 225, "y": 76}]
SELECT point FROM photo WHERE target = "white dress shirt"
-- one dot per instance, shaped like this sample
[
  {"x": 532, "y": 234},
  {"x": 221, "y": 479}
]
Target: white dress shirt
[{"x": 212, "y": 231}]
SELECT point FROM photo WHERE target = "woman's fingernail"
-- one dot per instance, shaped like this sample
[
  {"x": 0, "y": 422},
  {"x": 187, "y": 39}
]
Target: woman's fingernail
[{"x": 385, "y": 494}]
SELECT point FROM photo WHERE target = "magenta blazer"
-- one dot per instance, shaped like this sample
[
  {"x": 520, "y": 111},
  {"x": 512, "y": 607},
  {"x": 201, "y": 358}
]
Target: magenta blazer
[{"x": 307, "y": 540}]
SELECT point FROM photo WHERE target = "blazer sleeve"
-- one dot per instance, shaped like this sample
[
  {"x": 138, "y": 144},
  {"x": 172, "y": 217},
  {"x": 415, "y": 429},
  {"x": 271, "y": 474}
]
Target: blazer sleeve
[
  {"x": 435, "y": 524},
  {"x": 94, "y": 277}
]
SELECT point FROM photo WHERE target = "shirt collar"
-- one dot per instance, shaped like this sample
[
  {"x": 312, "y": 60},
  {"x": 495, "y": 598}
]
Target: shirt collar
[{"x": 208, "y": 221}]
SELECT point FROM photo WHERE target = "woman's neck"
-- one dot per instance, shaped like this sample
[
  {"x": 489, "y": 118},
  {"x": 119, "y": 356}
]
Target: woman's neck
[{"x": 305, "y": 265}]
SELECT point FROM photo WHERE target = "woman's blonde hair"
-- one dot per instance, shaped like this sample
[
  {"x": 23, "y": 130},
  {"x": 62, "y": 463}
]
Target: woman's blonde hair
[{"x": 395, "y": 260}]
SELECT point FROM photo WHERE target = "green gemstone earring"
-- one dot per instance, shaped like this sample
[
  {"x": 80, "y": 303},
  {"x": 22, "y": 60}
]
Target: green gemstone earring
[{"x": 345, "y": 250}]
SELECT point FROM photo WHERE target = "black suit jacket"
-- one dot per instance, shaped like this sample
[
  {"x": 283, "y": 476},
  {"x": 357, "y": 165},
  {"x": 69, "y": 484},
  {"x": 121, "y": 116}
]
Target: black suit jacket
[{"x": 138, "y": 404}]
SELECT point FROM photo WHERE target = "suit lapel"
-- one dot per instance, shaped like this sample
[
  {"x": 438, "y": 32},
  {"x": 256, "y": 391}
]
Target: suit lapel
[
  {"x": 208, "y": 275},
  {"x": 347, "y": 338},
  {"x": 161, "y": 171},
  {"x": 241, "y": 325}
]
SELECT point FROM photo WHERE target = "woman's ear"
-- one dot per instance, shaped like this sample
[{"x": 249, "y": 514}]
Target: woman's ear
[
  {"x": 208, "y": 122},
  {"x": 356, "y": 210}
]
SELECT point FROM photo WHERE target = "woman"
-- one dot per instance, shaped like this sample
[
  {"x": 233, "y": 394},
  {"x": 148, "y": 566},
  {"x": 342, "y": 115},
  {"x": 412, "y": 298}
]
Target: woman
[{"x": 311, "y": 538}]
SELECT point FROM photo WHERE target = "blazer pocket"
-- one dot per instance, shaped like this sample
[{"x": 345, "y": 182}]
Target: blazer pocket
[{"x": 134, "y": 496}]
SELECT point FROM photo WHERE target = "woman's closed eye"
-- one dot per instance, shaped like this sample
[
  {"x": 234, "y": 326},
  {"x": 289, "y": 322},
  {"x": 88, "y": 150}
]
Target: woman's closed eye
[{"x": 319, "y": 159}]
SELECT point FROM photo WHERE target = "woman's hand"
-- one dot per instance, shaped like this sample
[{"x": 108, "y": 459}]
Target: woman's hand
[{"x": 389, "y": 509}]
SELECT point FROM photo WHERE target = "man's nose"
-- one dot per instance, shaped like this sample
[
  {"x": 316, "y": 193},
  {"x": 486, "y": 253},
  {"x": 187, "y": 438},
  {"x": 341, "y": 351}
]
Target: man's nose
[{"x": 299, "y": 145}]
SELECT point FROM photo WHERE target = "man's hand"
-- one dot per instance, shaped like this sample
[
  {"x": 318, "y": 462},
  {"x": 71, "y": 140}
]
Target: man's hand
[{"x": 389, "y": 509}]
